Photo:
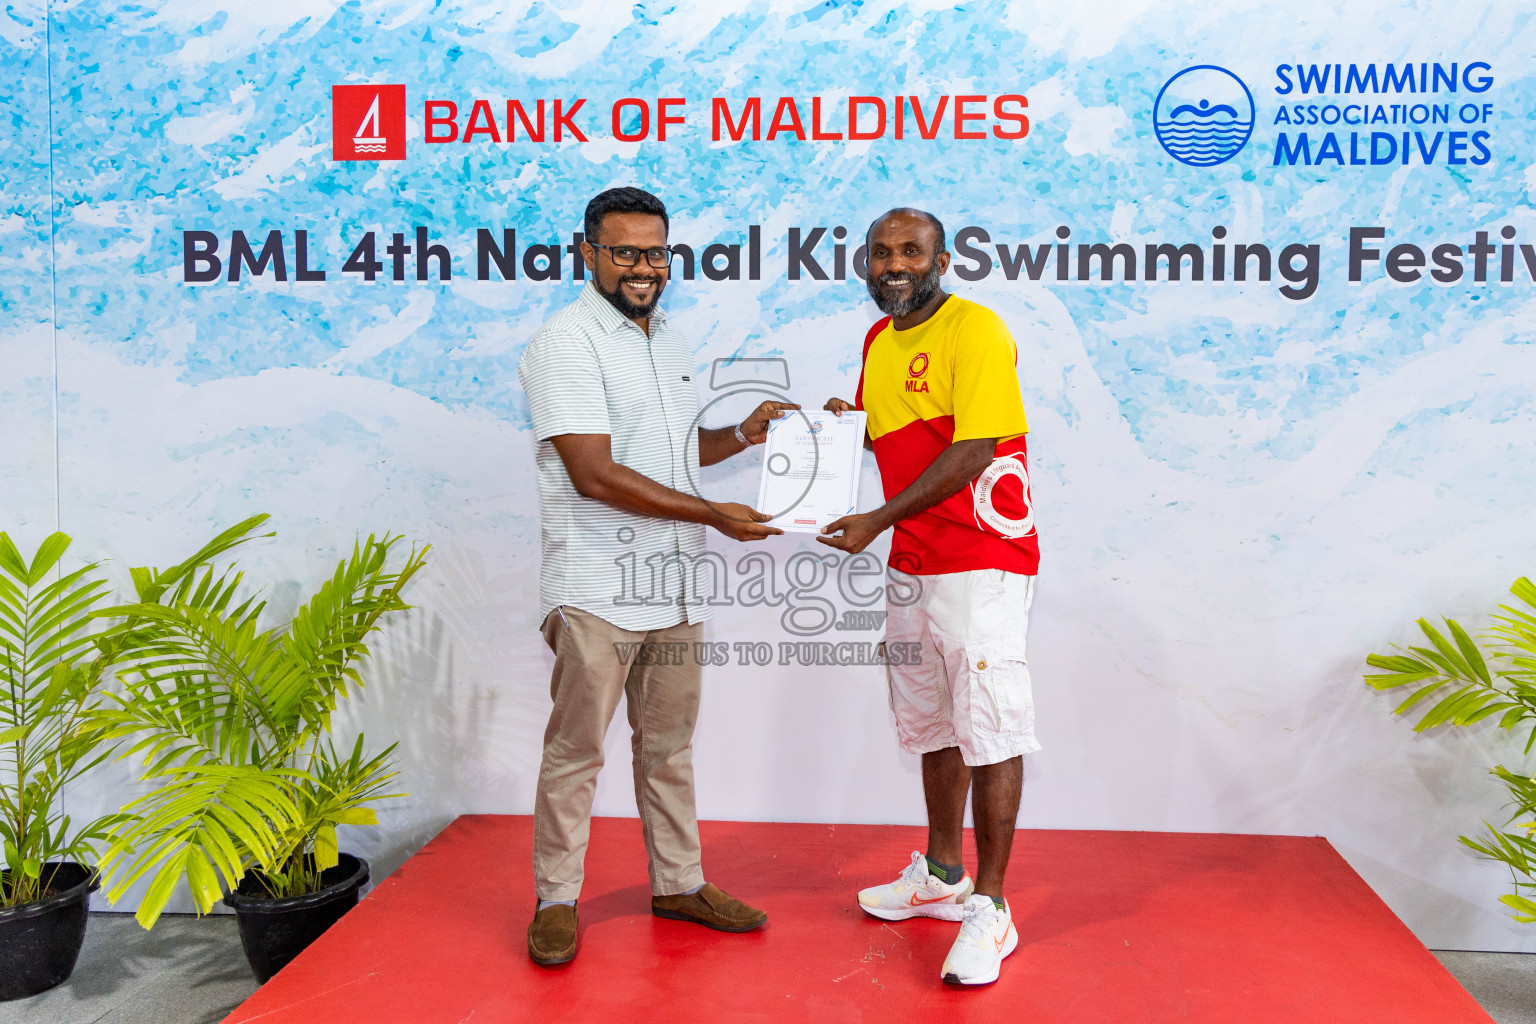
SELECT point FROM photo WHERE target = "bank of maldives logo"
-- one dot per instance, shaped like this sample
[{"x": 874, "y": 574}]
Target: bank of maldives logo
[
  {"x": 367, "y": 122},
  {"x": 1203, "y": 115}
]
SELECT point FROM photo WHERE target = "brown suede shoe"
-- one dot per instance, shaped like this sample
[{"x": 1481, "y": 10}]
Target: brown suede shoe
[
  {"x": 711, "y": 908},
  {"x": 552, "y": 935}
]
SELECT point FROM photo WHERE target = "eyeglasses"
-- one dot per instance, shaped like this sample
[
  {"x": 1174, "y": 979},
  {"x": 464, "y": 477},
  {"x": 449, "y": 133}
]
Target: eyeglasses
[{"x": 629, "y": 255}]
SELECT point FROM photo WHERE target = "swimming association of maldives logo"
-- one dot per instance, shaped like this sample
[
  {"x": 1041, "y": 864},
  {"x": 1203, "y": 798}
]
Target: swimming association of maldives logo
[
  {"x": 367, "y": 122},
  {"x": 1203, "y": 115}
]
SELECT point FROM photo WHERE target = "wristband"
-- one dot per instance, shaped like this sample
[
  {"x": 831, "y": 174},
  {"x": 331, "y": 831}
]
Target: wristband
[{"x": 741, "y": 437}]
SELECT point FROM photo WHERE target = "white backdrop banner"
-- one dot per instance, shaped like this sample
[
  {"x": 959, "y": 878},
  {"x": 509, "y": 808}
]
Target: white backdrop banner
[{"x": 1270, "y": 270}]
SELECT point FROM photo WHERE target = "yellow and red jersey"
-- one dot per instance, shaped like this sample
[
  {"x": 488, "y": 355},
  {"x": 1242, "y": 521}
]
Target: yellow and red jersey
[{"x": 950, "y": 379}]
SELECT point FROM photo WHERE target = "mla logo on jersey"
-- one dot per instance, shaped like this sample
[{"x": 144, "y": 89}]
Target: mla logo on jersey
[
  {"x": 915, "y": 370},
  {"x": 367, "y": 122},
  {"x": 1203, "y": 115}
]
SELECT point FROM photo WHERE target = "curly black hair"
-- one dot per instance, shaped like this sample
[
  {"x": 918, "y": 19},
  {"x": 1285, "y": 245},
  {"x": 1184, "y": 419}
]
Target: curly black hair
[{"x": 621, "y": 200}]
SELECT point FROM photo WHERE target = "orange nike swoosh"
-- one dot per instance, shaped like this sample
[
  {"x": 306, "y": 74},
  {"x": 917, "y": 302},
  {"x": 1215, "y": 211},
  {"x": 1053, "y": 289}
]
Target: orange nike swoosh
[
  {"x": 1000, "y": 942},
  {"x": 937, "y": 899}
]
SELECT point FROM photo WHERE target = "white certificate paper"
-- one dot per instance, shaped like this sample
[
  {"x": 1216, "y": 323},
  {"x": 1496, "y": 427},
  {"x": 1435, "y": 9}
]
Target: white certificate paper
[{"x": 811, "y": 466}]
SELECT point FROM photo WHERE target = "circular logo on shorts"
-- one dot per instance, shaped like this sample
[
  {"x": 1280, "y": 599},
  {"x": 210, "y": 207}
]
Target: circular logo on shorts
[{"x": 918, "y": 366}]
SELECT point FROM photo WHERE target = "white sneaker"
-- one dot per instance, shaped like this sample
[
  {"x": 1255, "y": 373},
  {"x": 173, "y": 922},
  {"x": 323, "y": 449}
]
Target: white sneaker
[
  {"x": 986, "y": 936},
  {"x": 917, "y": 893}
]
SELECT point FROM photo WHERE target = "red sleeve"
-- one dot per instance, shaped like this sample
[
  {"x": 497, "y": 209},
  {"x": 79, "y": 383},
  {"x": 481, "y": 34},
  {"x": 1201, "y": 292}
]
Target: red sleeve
[{"x": 869, "y": 339}]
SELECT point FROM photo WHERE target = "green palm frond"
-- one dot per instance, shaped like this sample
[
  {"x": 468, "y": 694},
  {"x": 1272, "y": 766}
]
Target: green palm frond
[
  {"x": 341, "y": 794},
  {"x": 327, "y": 635},
  {"x": 50, "y": 684},
  {"x": 214, "y": 817},
  {"x": 202, "y": 676},
  {"x": 1462, "y": 684},
  {"x": 181, "y": 579}
]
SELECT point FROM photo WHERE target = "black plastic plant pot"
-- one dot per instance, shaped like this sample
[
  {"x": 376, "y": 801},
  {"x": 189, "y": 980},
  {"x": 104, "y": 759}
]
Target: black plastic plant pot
[
  {"x": 40, "y": 941},
  {"x": 274, "y": 931}
]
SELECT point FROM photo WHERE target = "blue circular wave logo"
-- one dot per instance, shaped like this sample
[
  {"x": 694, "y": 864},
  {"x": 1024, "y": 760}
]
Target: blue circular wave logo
[{"x": 1203, "y": 115}]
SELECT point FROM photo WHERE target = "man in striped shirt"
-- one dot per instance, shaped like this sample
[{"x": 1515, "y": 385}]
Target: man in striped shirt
[{"x": 615, "y": 417}]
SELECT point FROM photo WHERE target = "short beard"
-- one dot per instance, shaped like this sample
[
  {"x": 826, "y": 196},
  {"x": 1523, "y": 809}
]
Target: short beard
[
  {"x": 628, "y": 309},
  {"x": 926, "y": 288}
]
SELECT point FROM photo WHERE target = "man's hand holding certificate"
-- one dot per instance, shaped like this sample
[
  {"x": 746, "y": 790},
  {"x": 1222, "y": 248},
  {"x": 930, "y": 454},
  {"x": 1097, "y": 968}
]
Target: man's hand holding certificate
[{"x": 811, "y": 469}]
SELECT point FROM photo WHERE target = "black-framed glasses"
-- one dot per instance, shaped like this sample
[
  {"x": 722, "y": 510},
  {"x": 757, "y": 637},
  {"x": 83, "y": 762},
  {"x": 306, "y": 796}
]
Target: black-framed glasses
[{"x": 629, "y": 255}]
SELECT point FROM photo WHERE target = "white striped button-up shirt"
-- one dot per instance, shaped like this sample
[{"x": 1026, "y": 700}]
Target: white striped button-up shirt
[{"x": 589, "y": 370}]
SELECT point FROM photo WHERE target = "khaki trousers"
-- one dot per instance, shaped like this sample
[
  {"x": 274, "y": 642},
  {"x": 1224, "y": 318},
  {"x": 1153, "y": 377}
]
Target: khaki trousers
[{"x": 662, "y": 684}]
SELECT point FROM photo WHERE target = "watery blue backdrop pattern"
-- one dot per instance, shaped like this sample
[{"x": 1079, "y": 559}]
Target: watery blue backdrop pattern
[{"x": 26, "y": 276}]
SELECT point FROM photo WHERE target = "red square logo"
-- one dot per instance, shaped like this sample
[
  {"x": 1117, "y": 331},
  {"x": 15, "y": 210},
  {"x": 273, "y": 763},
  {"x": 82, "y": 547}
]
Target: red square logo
[{"x": 367, "y": 122}]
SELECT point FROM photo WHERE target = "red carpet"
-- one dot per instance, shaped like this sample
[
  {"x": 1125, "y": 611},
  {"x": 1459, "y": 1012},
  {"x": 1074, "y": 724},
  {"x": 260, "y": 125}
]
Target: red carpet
[{"x": 1118, "y": 927}]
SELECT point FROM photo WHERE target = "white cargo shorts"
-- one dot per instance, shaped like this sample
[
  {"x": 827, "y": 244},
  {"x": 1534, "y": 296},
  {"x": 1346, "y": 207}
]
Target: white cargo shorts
[{"x": 968, "y": 686}]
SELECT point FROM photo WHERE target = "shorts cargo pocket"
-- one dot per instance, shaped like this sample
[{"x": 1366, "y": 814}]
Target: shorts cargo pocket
[{"x": 998, "y": 679}]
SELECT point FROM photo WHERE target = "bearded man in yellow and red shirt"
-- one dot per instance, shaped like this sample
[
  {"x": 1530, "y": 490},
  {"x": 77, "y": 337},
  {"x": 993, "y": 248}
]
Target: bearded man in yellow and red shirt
[{"x": 946, "y": 422}]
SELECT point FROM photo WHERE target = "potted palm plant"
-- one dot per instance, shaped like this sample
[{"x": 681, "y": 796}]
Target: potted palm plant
[
  {"x": 1460, "y": 681},
  {"x": 232, "y": 719},
  {"x": 50, "y": 684}
]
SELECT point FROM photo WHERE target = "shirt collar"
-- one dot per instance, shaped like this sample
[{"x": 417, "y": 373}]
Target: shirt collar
[{"x": 612, "y": 320}]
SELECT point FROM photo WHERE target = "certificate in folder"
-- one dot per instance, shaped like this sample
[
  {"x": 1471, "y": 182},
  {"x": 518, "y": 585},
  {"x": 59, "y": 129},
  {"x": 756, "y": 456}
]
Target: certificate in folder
[{"x": 811, "y": 464}]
